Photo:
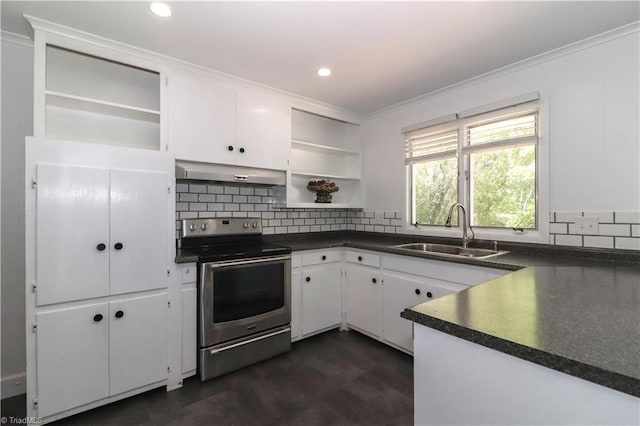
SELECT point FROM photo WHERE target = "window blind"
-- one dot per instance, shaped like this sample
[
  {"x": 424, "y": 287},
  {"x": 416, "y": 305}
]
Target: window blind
[{"x": 426, "y": 144}]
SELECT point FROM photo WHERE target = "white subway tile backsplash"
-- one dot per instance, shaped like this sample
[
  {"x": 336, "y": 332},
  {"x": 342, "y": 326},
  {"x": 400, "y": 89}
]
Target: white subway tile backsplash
[
  {"x": 599, "y": 242},
  {"x": 603, "y": 217},
  {"x": 627, "y": 217},
  {"x": 567, "y": 216},
  {"x": 619, "y": 230},
  {"x": 616, "y": 230},
  {"x": 569, "y": 240},
  {"x": 627, "y": 243},
  {"x": 197, "y": 188},
  {"x": 558, "y": 228}
]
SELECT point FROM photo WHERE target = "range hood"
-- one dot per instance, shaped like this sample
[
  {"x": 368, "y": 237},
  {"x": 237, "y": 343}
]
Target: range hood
[{"x": 224, "y": 173}]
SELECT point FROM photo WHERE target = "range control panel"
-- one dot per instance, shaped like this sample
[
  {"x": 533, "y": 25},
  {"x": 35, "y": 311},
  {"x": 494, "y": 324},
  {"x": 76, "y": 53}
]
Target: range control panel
[{"x": 220, "y": 226}]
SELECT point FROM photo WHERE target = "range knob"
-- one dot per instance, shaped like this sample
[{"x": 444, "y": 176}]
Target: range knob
[
  {"x": 245, "y": 225},
  {"x": 203, "y": 226},
  {"x": 192, "y": 227},
  {"x": 254, "y": 225}
]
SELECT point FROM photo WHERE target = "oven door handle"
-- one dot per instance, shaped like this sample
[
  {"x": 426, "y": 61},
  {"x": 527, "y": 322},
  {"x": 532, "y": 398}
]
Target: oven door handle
[
  {"x": 246, "y": 261},
  {"x": 245, "y": 342}
]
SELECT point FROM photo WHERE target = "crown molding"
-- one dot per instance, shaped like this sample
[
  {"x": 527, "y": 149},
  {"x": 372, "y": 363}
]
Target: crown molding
[
  {"x": 14, "y": 38},
  {"x": 550, "y": 55}
]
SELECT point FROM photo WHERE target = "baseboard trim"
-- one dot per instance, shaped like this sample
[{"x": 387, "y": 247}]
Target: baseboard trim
[{"x": 14, "y": 385}]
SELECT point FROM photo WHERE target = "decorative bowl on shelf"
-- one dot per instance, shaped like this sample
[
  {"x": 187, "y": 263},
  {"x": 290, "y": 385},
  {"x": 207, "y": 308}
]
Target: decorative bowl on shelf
[{"x": 323, "y": 189}]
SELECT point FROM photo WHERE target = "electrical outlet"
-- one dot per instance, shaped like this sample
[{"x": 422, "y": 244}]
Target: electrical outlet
[{"x": 587, "y": 225}]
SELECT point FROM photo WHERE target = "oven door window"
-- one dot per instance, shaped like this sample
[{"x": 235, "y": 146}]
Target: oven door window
[{"x": 248, "y": 290}]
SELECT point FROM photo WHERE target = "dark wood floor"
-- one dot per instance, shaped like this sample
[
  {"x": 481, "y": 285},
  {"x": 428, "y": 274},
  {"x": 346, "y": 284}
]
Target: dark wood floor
[{"x": 336, "y": 378}]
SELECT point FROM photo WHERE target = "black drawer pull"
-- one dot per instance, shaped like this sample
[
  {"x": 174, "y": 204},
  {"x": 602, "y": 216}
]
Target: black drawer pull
[
  {"x": 97, "y": 317},
  {"x": 101, "y": 247},
  {"x": 118, "y": 246},
  {"x": 307, "y": 279},
  {"x": 324, "y": 257},
  {"x": 119, "y": 314},
  {"x": 418, "y": 291},
  {"x": 359, "y": 258},
  {"x": 373, "y": 280},
  {"x": 230, "y": 148},
  {"x": 241, "y": 150},
  {"x": 429, "y": 294}
]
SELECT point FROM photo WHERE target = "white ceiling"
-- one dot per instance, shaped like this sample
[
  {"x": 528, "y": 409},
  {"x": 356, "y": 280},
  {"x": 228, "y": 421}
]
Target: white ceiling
[{"x": 381, "y": 53}]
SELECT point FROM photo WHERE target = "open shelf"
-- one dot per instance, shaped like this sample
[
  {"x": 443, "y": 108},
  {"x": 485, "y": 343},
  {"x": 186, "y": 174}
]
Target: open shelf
[
  {"x": 321, "y": 149},
  {"x": 323, "y": 176},
  {"x": 80, "y": 103}
]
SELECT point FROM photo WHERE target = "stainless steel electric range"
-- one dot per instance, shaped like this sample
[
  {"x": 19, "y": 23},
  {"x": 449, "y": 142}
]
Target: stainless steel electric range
[{"x": 244, "y": 293}]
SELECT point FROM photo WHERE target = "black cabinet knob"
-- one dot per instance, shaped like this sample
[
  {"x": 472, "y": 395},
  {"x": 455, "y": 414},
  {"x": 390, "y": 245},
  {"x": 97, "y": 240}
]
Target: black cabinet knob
[
  {"x": 241, "y": 150},
  {"x": 359, "y": 258},
  {"x": 307, "y": 279},
  {"x": 119, "y": 314},
  {"x": 101, "y": 247},
  {"x": 97, "y": 317},
  {"x": 230, "y": 148},
  {"x": 429, "y": 294},
  {"x": 118, "y": 246},
  {"x": 418, "y": 291},
  {"x": 373, "y": 280},
  {"x": 324, "y": 257}
]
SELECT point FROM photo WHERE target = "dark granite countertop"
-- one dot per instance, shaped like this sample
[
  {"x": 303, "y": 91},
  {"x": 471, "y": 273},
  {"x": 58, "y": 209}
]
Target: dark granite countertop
[
  {"x": 583, "y": 321},
  {"x": 573, "y": 310}
]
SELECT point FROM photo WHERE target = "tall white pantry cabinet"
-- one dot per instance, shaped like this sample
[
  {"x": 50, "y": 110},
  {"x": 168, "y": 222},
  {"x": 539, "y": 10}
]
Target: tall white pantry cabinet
[{"x": 98, "y": 228}]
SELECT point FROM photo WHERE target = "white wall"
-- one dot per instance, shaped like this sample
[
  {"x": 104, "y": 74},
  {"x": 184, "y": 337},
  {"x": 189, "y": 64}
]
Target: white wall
[
  {"x": 17, "y": 122},
  {"x": 592, "y": 90}
]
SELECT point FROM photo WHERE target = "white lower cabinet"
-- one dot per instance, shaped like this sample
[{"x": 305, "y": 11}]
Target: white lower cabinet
[
  {"x": 321, "y": 297},
  {"x": 189, "y": 330},
  {"x": 316, "y": 292},
  {"x": 93, "y": 351},
  {"x": 363, "y": 298},
  {"x": 401, "y": 291}
]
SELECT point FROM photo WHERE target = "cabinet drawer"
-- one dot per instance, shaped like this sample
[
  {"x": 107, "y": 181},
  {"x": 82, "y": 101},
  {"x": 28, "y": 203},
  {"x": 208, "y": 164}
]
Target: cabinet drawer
[
  {"x": 189, "y": 273},
  {"x": 362, "y": 258},
  {"x": 319, "y": 257}
]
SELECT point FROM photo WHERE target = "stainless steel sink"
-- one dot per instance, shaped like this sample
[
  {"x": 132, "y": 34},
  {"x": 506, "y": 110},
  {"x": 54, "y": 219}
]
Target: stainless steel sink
[{"x": 448, "y": 250}]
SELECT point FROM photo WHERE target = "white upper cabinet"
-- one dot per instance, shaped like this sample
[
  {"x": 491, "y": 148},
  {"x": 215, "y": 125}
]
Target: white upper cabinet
[
  {"x": 82, "y": 97},
  {"x": 202, "y": 118},
  {"x": 263, "y": 130},
  {"x": 213, "y": 122}
]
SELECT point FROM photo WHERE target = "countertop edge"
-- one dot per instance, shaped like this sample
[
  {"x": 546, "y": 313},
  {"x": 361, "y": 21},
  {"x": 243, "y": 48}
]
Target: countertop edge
[{"x": 590, "y": 373}]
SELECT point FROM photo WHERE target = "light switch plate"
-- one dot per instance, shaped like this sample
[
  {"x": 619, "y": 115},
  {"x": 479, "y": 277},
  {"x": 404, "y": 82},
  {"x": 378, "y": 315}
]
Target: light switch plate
[{"x": 587, "y": 225}]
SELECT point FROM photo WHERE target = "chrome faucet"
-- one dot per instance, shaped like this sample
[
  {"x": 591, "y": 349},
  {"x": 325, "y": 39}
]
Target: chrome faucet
[{"x": 465, "y": 236}]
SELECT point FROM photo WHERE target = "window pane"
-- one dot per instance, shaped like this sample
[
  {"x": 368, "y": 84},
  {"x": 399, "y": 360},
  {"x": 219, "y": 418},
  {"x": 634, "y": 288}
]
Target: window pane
[
  {"x": 503, "y": 188},
  {"x": 436, "y": 189},
  {"x": 502, "y": 130}
]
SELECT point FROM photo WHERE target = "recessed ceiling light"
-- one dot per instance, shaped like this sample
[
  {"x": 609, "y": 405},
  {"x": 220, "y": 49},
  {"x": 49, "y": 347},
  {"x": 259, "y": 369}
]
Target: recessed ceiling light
[
  {"x": 324, "y": 72},
  {"x": 160, "y": 9}
]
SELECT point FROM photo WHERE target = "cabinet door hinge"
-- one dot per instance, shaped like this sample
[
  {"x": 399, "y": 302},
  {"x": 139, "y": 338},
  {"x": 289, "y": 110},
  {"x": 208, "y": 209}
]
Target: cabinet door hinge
[
  {"x": 34, "y": 326},
  {"x": 34, "y": 184},
  {"x": 34, "y": 287},
  {"x": 168, "y": 272},
  {"x": 35, "y": 403},
  {"x": 169, "y": 189},
  {"x": 168, "y": 369},
  {"x": 169, "y": 303}
]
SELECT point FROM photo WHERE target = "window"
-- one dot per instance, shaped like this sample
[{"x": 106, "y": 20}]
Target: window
[{"x": 486, "y": 162}]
